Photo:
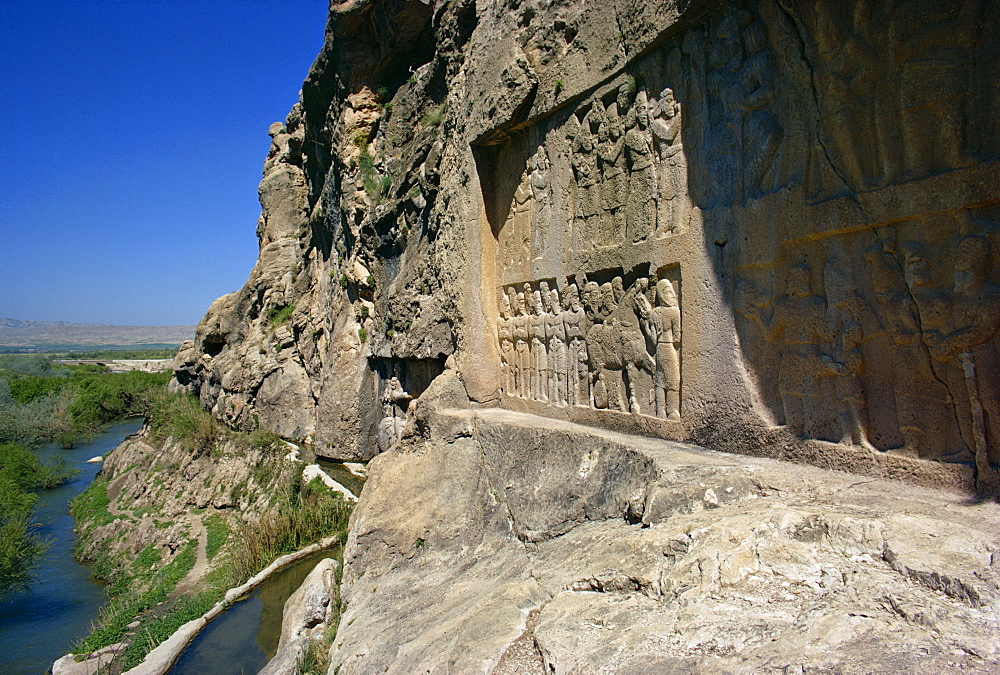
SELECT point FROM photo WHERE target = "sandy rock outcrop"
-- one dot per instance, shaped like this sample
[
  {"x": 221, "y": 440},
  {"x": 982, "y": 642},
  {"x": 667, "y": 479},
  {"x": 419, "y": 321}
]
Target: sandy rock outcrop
[{"x": 602, "y": 552}]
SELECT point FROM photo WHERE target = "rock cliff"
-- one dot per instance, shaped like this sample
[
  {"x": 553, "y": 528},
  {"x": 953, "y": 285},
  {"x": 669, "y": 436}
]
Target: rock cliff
[{"x": 764, "y": 227}]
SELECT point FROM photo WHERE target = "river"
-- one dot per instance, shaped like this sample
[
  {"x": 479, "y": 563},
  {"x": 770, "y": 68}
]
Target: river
[{"x": 39, "y": 625}]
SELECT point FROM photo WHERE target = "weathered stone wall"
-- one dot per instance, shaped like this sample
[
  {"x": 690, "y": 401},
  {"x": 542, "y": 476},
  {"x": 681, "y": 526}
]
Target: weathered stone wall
[{"x": 769, "y": 227}]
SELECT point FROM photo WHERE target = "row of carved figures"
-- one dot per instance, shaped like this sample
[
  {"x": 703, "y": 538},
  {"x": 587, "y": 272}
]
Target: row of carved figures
[
  {"x": 945, "y": 364},
  {"x": 628, "y": 166},
  {"x": 584, "y": 350}
]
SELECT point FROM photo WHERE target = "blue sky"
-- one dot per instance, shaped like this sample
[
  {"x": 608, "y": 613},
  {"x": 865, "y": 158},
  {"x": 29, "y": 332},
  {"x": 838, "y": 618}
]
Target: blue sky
[{"x": 135, "y": 133}]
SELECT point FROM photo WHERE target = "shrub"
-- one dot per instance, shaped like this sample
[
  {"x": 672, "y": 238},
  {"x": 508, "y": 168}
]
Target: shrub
[
  {"x": 362, "y": 334},
  {"x": 280, "y": 315},
  {"x": 434, "y": 117},
  {"x": 557, "y": 87}
]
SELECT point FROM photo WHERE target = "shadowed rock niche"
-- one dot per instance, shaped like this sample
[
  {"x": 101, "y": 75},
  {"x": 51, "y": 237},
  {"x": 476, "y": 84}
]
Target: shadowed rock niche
[{"x": 828, "y": 243}]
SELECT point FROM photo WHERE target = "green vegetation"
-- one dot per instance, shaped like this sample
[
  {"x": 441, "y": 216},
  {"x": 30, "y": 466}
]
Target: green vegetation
[
  {"x": 123, "y": 354},
  {"x": 287, "y": 515},
  {"x": 343, "y": 281},
  {"x": 434, "y": 117},
  {"x": 21, "y": 475},
  {"x": 362, "y": 334},
  {"x": 126, "y": 602},
  {"x": 280, "y": 315},
  {"x": 91, "y": 505},
  {"x": 303, "y": 515},
  {"x": 316, "y": 659},
  {"x": 182, "y": 418},
  {"x": 558, "y": 87},
  {"x": 41, "y": 400},
  {"x": 218, "y": 534}
]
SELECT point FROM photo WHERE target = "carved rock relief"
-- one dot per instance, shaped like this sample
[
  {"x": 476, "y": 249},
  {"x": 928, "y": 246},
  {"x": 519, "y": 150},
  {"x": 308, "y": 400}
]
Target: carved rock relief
[
  {"x": 895, "y": 350},
  {"x": 765, "y": 123},
  {"x": 605, "y": 346}
]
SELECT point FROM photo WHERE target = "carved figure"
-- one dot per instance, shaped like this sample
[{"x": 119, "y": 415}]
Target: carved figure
[
  {"x": 541, "y": 191},
  {"x": 743, "y": 137},
  {"x": 847, "y": 364},
  {"x": 847, "y": 70},
  {"x": 575, "y": 320},
  {"x": 921, "y": 400},
  {"x": 972, "y": 343},
  {"x": 390, "y": 428},
  {"x": 538, "y": 347},
  {"x": 666, "y": 130},
  {"x": 522, "y": 372},
  {"x": 587, "y": 203},
  {"x": 798, "y": 325},
  {"x": 614, "y": 183},
  {"x": 931, "y": 45},
  {"x": 662, "y": 324},
  {"x": 555, "y": 332},
  {"x": 640, "y": 210},
  {"x": 762, "y": 132},
  {"x": 505, "y": 336}
]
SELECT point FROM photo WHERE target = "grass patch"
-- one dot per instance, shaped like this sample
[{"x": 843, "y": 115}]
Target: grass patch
[
  {"x": 280, "y": 315},
  {"x": 91, "y": 505},
  {"x": 303, "y": 516},
  {"x": 434, "y": 117},
  {"x": 125, "y": 604},
  {"x": 158, "y": 627},
  {"x": 218, "y": 534}
]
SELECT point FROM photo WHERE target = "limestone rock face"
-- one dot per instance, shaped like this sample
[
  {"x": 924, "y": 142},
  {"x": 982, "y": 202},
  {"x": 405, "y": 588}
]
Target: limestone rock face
[
  {"x": 764, "y": 226},
  {"x": 541, "y": 255},
  {"x": 602, "y": 552}
]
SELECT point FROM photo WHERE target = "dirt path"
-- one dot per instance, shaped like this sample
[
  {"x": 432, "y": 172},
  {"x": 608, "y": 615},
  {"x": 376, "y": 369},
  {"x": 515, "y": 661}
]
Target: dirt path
[{"x": 201, "y": 558}]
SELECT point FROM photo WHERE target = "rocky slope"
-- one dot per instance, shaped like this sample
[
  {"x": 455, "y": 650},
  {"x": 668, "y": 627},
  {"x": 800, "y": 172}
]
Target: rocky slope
[
  {"x": 526, "y": 248},
  {"x": 493, "y": 541}
]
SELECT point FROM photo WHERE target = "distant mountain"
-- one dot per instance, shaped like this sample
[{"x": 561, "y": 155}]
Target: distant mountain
[{"x": 62, "y": 334}]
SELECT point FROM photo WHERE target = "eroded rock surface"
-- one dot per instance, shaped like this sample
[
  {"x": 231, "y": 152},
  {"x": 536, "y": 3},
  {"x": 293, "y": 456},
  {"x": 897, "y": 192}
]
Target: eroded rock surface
[
  {"x": 765, "y": 226},
  {"x": 627, "y": 554},
  {"x": 537, "y": 253}
]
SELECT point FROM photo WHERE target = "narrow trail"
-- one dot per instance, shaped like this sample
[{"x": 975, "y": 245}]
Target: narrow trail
[{"x": 201, "y": 559}]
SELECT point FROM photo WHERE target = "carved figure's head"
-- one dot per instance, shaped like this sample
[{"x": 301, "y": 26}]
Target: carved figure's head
[
  {"x": 573, "y": 297},
  {"x": 618, "y": 289},
  {"x": 536, "y": 303},
  {"x": 665, "y": 293},
  {"x": 754, "y": 37},
  {"x": 626, "y": 93},
  {"x": 852, "y": 335},
  {"x": 667, "y": 105},
  {"x": 554, "y": 305},
  {"x": 915, "y": 263},
  {"x": 799, "y": 281},
  {"x": 519, "y": 305},
  {"x": 505, "y": 306},
  {"x": 972, "y": 256},
  {"x": 884, "y": 271}
]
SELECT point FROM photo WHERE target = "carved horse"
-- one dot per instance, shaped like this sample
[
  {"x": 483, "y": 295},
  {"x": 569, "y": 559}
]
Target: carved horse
[{"x": 618, "y": 346}]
